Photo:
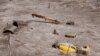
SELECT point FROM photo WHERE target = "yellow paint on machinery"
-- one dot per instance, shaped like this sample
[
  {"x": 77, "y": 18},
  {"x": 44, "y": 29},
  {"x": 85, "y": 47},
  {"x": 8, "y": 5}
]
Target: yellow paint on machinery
[
  {"x": 66, "y": 47},
  {"x": 70, "y": 48}
]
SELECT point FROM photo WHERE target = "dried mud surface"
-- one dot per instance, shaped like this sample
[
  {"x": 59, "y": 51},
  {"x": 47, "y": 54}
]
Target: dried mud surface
[{"x": 37, "y": 38}]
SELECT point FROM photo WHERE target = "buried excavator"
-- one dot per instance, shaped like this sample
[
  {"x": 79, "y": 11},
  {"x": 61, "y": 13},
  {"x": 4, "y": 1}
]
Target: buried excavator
[{"x": 68, "y": 48}]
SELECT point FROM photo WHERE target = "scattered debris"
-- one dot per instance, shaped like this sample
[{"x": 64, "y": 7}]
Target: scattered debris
[
  {"x": 37, "y": 15},
  {"x": 15, "y": 23},
  {"x": 47, "y": 19},
  {"x": 19, "y": 24},
  {"x": 10, "y": 29},
  {"x": 83, "y": 50},
  {"x": 70, "y": 35},
  {"x": 55, "y": 32},
  {"x": 70, "y": 23}
]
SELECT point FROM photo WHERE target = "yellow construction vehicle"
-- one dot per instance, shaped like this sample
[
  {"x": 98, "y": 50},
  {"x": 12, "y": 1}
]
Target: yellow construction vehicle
[
  {"x": 70, "y": 48},
  {"x": 66, "y": 47}
]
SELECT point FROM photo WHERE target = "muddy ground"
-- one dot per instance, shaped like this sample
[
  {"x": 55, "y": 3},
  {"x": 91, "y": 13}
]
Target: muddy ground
[{"x": 37, "y": 38}]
